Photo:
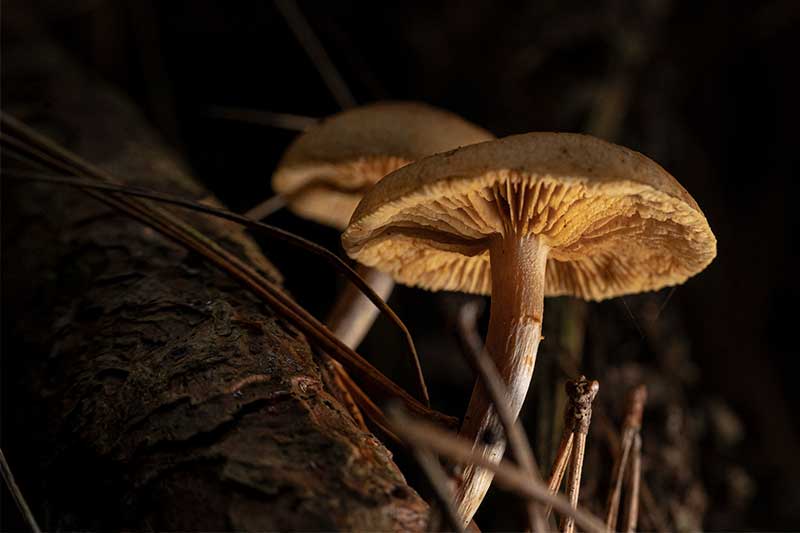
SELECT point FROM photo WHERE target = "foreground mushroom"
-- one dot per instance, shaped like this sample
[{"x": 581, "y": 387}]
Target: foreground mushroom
[
  {"x": 325, "y": 172},
  {"x": 520, "y": 218}
]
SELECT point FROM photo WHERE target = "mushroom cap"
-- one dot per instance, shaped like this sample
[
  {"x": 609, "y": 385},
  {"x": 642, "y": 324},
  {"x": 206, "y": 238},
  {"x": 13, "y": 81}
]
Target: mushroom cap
[
  {"x": 354, "y": 149},
  {"x": 615, "y": 221}
]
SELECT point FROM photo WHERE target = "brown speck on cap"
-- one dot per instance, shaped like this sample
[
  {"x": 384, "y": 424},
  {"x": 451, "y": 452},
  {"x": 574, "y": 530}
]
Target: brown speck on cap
[
  {"x": 352, "y": 150},
  {"x": 614, "y": 220}
]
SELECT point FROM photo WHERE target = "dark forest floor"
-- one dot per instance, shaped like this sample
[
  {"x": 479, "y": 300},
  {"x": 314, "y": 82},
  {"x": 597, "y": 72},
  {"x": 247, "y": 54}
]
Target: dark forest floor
[{"x": 709, "y": 90}]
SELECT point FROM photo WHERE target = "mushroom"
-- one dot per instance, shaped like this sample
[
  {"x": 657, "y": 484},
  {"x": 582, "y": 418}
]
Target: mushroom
[
  {"x": 325, "y": 172},
  {"x": 521, "y": 218}
]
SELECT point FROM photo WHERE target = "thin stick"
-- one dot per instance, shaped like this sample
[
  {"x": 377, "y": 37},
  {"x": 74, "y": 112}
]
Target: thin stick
[
  {"x": 490, "y": 377},
  {"x": 631, "y": 426},
  {"x": 441, "y": 486},
  {"x": 19, "y": 499},
  {"x": 616, "y": 483},
  {"x": 577, "y": 418},
  {"x": 338, "y": 374},
  {"x": 55, "y": 156},
  {"x": 632, "y": 504},
  {"x": 426, "y": 435},
  {"x": 648, "y": 501},
  {"x": 316, "y": 52},
  {"x": 272, "y": 231},
  {"x": 158, "y": 87},
  {"x": 372, "y": 411},
  {"x": 574, "y": 481},
  {"x": 560, "y": 465},
  {"x": 264, "y": 209},
  {"x": 286, "y": 121}
]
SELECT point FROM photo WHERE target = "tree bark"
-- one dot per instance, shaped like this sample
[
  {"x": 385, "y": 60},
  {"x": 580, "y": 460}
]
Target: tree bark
[{"x": 160, "y": 394}]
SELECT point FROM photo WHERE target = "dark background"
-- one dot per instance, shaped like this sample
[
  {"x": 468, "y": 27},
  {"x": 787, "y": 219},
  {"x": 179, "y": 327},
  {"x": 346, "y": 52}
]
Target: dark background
[{"x": 707, "y": 89}]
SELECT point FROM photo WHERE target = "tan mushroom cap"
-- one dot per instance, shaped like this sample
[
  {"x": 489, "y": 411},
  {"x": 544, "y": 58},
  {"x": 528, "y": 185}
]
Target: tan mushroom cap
[
  {"x": 615, "y": 221},
  {"x": 354, "y": 149}
]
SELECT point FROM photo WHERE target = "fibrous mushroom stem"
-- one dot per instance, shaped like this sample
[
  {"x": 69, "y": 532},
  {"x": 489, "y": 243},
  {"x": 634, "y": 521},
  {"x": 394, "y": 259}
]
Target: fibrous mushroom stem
[
  {"x": 353, "y": 314},
  {"x": 515, "y": 325}
]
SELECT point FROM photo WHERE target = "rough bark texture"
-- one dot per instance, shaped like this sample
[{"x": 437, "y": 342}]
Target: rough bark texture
[{"x": 165, "y": 396}]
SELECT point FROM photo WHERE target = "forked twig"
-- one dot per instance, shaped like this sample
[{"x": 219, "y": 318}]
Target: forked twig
[
  {"x": 581, "y": 394},
  {"x": 316, "y": 52},
  {"x": 272, "y": 231},
  {"x": 19, "y": 499},
  {"x": 50, "y": 155},
  {"x": 490, "y": 377},
  {"x": 420, "y": 434},
  {"x": 577, "y": 418},
  {"x": 631, "y": 435}
]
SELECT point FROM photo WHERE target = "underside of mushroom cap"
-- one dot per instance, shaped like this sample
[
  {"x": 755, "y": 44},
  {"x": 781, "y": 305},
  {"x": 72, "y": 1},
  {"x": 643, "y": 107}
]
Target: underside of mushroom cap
[
  {"x": 614, "y": 220},
  {"x": 346, "y": 153}
]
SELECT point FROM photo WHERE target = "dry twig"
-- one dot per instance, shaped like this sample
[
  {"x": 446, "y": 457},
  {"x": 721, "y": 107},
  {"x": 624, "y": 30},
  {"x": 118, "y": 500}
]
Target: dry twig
[
  {"x": 628, "y": 452},
  {"x": 577, "y": 418},
  {"x": 286, "y": 121},
  {"x": 440, "y": 482},
  {"x": 335, "y": 373},
  {"x": 316, "y": 52},
  {"x": 420, "y": 434},
  {"x": 647, "y": 502},
  {"x": 19, "y": 499}
]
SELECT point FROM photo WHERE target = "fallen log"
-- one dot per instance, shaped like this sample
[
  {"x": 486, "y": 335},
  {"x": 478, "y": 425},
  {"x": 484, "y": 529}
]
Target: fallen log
[{"x": 158, "y": 393}]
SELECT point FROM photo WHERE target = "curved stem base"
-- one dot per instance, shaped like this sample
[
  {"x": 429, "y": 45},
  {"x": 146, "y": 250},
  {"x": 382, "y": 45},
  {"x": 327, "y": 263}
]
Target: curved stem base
[{"x": 515, "y": 327}]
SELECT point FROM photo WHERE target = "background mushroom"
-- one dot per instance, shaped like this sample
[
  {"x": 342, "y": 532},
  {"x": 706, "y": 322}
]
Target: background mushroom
[
  {"x": 486, "y": 218},
  {"x": 325, "y": 172}
]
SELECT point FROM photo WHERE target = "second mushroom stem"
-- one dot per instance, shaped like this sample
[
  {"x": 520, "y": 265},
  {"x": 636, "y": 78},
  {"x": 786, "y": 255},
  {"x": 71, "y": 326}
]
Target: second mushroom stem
[
  {"x": 353, "y": 314},
  {"x": 515, "y": 325},
  {"x": 350, "y": 320}
]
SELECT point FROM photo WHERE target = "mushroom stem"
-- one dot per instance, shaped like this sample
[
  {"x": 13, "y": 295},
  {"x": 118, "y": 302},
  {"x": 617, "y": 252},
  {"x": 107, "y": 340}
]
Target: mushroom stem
[
  {"x": 515, "y": 325},
  {"x": 353, "y": 314}
]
